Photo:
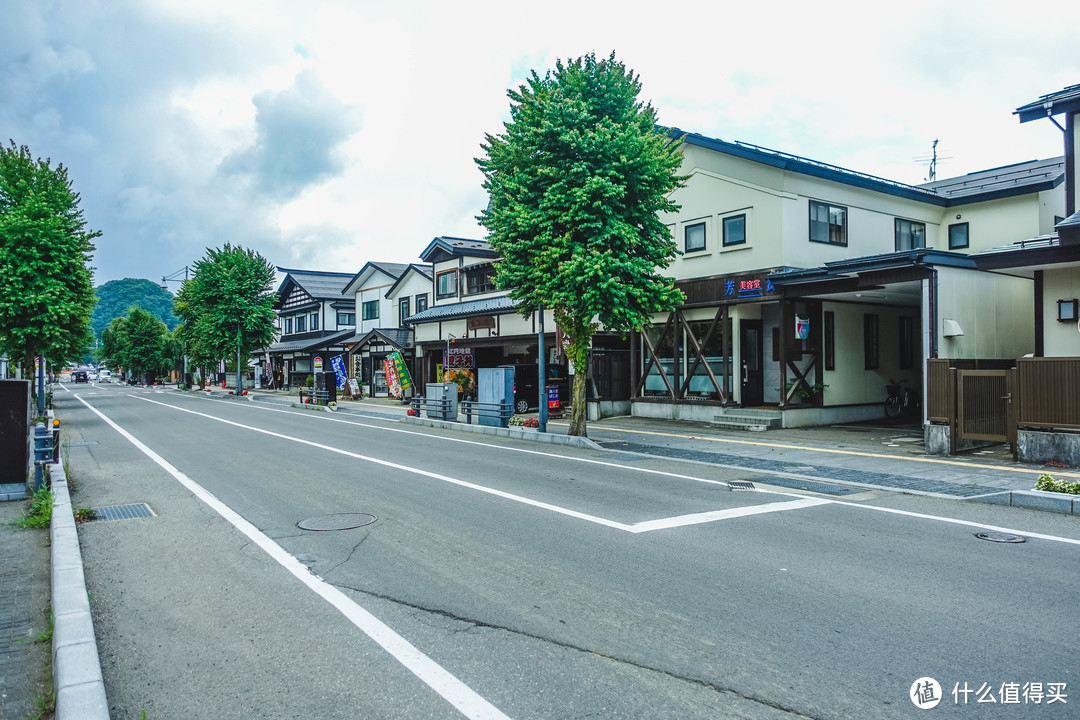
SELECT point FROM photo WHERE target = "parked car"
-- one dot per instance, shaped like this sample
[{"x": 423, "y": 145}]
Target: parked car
[
  {"x": 104, "y": 376},
  {"x": 526, "y": 387},
  {"x": 91, "y": 375},
  {"x": 79, "y": 376}
]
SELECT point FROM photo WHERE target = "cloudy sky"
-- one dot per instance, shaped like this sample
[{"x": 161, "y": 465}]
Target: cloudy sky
[{"x": 327, "y": 134}]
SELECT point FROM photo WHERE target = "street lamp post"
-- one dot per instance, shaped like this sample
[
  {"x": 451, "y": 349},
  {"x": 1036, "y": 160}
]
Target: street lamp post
[{"x": 175, "y": 277}]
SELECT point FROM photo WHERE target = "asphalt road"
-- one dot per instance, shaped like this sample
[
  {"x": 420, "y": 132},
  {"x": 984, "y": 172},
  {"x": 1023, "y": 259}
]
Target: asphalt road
[{"x": 511, "y": 579}]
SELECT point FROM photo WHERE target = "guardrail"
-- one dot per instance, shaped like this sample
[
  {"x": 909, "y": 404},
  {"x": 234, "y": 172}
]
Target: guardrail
[
  {"x": 501, "y": 411},
  {"x": 434, "y": 407}
]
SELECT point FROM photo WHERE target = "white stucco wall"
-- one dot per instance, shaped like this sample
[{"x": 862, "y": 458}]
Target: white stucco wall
[
  {"x": 1060, "y": 339},
  {"x": 996, "y": 313}
]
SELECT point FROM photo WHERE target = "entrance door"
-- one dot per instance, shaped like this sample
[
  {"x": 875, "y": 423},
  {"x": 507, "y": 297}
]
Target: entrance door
[{"x": 753, "y": 372}]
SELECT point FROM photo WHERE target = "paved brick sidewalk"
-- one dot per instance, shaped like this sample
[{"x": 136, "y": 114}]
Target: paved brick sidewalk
[{"x": 24, "y": 600}]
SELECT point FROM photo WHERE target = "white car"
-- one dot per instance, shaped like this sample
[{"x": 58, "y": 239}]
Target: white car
[
  {"x": 91, "y": 375},
  {"x": 104, "y": 376}
]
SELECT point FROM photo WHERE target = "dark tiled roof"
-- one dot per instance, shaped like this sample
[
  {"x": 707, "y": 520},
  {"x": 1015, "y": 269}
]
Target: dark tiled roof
[
  {"x": 309, "y": 341},
  {"x": 501, "y": 305},
  {"x": 1056, "y": 102},
  {"x": 446, "y": 247},
  {"x": 398, "y": 337},
  {"x": 1019, "y": 176},
  {"x": 319, "y": 285},
  {"x": 423, "y": 270}
]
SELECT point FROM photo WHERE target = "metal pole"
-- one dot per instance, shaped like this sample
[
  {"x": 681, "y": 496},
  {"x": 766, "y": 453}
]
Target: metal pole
[
  {"x": 239, "y": 380},
  {"x": 541, "y": 370},
  {"x": 41, "y": 385}
]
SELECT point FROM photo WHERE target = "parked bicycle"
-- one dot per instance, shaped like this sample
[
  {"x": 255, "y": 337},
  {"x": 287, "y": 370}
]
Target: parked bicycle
[{"x": 901, "y": 399}]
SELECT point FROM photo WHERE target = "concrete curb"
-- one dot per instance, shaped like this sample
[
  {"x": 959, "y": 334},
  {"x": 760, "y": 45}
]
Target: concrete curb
[
  {"x": 1034, "y": 500},
  {"x": 77, "y": 680},
  {"x": 539, "y": 437}
]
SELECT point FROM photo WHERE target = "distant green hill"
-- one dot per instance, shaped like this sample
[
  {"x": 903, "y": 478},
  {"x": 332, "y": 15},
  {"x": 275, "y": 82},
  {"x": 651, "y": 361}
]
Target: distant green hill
[{"x": 116, "y": 297}]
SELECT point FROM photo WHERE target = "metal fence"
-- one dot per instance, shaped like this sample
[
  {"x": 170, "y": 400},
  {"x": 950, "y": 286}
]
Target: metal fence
[{"x": 1047, "y": 392}]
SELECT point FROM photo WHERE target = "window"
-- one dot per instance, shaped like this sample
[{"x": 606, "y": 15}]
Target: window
[
  {"x": 403, "y": 310},
  {"x": 910, "y": 235},
  {"x": 907, "y": 344},
  {"x": 421, "y": 302},
  {"x": 694, "y": 237},
  {"x": 958, "y": 236},
  {"x": 446, "y": 284},
  {"x": 871, "y": 354},
  {"x": 370, "y": 310},
  {"x": 301, "y": 323},
  {"x": 479, "y": 279},
  {"x": 346, "y": 318},
  {"x": 288, "y": 326},
  {"x": 734, "y": 230},
  {"x": 828, "y": 223},
  {"x": 830, "y": 340},
  {"x": 314, "y": 321}
]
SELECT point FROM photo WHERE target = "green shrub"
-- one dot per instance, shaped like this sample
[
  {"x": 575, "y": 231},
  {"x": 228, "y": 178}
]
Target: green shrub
[
  {"x": 310, "y": 381},
  {"x": 1049, "y": 484},
  {"x": 39, "y": 514}
]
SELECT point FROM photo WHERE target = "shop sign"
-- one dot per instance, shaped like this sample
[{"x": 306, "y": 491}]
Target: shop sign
[
  {"x": 339, "y": 371},
  {"x": 460, "y": 357},
  {"x": 404, "y": 379},
  {"x": 318, "y": 363},
  {"x": 802, "y": 327}
]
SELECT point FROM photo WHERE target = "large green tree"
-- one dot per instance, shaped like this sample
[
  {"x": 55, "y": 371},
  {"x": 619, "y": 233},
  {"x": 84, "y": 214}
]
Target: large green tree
[
  {"x": 46, "y": 285},
  {"x": 116, "y": 297},
  {"x": 229, "y": 300},
  {"x": 138, "y": 343},
  {"x": 577, "y": 184}
]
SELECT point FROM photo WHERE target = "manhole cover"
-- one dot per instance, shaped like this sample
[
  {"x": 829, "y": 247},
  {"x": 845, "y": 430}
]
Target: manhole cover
[
  {"x": 1000, "y": 537},
  {"x": 740, "y": 485},
  {"x": 337, "y": 521}
]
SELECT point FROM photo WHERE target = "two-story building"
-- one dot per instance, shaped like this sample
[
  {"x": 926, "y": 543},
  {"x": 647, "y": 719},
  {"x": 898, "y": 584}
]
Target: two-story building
[{"x": 314, "y": 321}]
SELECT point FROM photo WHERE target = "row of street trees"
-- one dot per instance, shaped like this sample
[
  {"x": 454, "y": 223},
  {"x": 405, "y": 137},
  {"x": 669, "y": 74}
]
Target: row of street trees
[{"x": 46, "y": 285}]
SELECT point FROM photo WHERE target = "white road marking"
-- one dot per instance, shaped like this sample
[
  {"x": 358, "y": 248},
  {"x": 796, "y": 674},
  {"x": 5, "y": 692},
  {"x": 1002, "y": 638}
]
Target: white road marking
[
  {"x": 461, "y": 696},
  {"x": 621, "y": 526},
  {"x": 715, "y": 515}
]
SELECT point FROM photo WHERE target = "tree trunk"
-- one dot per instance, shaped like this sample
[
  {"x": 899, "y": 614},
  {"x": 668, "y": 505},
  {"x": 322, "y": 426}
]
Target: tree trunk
[{"x": 578, "y": 409}]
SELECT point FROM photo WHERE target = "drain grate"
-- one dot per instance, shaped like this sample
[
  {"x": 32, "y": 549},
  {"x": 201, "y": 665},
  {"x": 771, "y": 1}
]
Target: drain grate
[
  {"x": 122, "y": 512},
  {"x": 740, "y": 485},
  {"x": 999, "y": 537},
  {"x": 337, "y": 521}
]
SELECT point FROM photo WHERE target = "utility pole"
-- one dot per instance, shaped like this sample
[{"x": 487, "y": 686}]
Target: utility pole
[{"x": 541, "y": 370}]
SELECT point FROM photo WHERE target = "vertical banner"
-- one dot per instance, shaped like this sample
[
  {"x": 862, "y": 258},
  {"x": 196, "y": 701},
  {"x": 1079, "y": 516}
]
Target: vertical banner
[
  {"x": 392, "y": 383},
  {"x": 404, "y": 379},
  {"x": 802, "y": 327},
  {"x": 340, "y": 375}
]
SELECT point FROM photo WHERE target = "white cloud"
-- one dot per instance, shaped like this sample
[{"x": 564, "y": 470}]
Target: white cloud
[{"x": 327, "y": 134}]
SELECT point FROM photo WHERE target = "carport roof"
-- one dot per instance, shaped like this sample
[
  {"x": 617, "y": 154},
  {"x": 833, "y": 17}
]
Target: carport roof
[{"x": 842, "y": 268}]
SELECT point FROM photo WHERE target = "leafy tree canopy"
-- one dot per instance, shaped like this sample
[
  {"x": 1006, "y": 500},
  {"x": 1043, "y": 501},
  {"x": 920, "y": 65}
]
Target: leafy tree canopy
[
  {"x": 230, "y": 297},
  {"x": 577, "y": 185},
  {"x": 138, "y": 343},
  {"x": 46, "y": 285},
  {"x": 116, "y": 297}
]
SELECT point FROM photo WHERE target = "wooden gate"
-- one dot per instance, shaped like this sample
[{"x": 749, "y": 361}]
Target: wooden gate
[{"x": 984, "y": 407}]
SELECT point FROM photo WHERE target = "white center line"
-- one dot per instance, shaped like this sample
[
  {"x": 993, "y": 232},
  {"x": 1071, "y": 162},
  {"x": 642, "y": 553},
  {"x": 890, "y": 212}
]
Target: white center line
[{"x": 461, "y": 696}]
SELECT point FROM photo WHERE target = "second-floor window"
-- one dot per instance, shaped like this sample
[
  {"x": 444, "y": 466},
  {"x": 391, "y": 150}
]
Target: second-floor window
[
  {"x": 910, "y": 235},
  {"x": 735, "y": 230},
  {"x": 421, "y": 302},
  {"x": 314, "y": 321},
  {"x": 346, "y": 318},
  {"x": 288, "y": 326},
  {"x": 403, "y": 310},
  {"x": 694, "y": 237},
  {"x": 479, "y": 279},
  {"x": 446, "y": 284},
  {"x": 301, "y": 323},
  {"x": 958, "y": 236},
  {"x": 371, "y": 310},
  {"x": 828, "y": 223}
]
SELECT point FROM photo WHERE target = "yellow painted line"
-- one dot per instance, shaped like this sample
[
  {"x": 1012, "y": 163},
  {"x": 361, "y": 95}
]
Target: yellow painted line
[{"x": 856, "y": 453}]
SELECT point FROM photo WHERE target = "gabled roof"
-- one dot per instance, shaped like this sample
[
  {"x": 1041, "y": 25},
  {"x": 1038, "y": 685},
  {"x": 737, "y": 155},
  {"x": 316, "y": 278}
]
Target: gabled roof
[
  {"x": 392, "y": 271},
  {"x": 1023, "y": 177},
  {"x": 1067, "y": 100},
  {"x": 445, "y": 248},
  {"x": 399, "y": 338},
  {"x": 319, "y": 285},
  {"x": 422, "y": 270},
  {"x": 501, "y": 305}
]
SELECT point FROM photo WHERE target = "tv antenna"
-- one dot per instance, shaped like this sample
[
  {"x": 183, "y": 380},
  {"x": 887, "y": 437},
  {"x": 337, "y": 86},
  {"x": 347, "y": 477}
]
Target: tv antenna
[{"x": 932, "y": 161}]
